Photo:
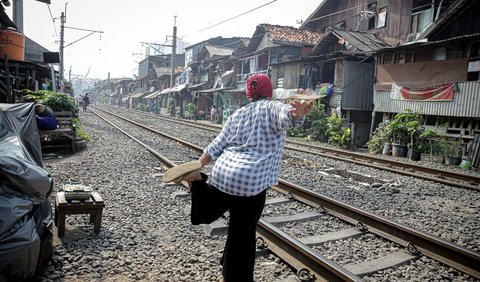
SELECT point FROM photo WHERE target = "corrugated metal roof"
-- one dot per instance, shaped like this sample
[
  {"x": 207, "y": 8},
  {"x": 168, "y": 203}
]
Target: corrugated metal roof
[
  {"x": 239, "y": 88},
  {"x": 352, "y": 40},
  {"x": 197, "y": 85},
  {"x": 34, "y": 51},
  {"x": 214, "y": 90},
  {"x": 161, "y": 71},
  {"x": 179, "y": 87},
  {"x": 153, "y": 95},
  {"x": 419, "y": 44},
  {"x": 166, "y": 91},
  {"x": 217, "y": 51},
  {"x": 466, "y": 103},
  {"x": 136, "y": 95}
]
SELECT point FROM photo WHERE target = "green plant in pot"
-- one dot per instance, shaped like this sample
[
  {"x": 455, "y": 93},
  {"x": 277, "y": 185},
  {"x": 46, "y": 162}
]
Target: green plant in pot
[
  {"x": 430, "y": 135},
  {"x": 381, "y": 139},
  {"x": 413, "y": 127},
  {"x": 402, "y": 127},
  {"x": 340, "y": 135},
  {"x": 400, "y": 138},
  {"x": 171, "y": 107},
  {"x": 451, "y": 148},
  {"x": 191, "y": 110}
]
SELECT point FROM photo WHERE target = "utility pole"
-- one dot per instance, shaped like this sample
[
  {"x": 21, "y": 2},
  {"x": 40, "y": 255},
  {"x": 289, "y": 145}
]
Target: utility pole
[
  {"x": 62, "y": 30},
  {"x": 17, "y": 14},
  {"x": 174, "y": 47},
  {"x": 63, "y": 20}
]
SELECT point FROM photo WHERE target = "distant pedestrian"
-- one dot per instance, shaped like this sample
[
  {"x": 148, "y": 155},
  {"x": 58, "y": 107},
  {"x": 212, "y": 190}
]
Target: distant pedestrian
[
  {"x": 213, "y": 113},
  {"x": 86, "y": 102}
]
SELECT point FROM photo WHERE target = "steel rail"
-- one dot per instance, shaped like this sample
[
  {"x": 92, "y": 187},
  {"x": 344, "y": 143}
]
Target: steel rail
[
  {"x": 387, "y": 166},
  {"x": 451, "y": 174},
  {"x": 446, "y": 252},
  {"x": 297, "y": 254},
  {"x": 436, "y": 175},
  {"x": 300, "y": 255}
]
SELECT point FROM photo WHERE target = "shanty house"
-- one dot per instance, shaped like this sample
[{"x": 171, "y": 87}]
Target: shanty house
[
  {"x": 276, "y": 51},
  {"x": 354, "y": 32},
  {"x": 209, "y": 61}
]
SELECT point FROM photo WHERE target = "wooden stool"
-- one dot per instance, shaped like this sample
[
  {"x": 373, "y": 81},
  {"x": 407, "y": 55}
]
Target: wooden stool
[{"x": 92, "y": 206}]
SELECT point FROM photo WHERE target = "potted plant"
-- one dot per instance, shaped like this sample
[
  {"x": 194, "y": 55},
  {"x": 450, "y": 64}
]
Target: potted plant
[
  {"x": 415, "y": 151},
  {"x": 429, "y": 134},
  {"x": 399, "y": 137},
  {"x": 191, "y": 111},
  {"x": 401, "y": 127},
  {"x": 451, "y": 148},
  {"x": 340, "y": 135},
  {"x": 381, "y": 139},
  {"x": 413, "y": 127}
]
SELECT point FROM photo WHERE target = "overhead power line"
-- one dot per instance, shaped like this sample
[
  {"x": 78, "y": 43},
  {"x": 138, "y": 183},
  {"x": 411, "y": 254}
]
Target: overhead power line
[
  {"x": 229, "y": 19},
  {"x": 53, "y": 20}
]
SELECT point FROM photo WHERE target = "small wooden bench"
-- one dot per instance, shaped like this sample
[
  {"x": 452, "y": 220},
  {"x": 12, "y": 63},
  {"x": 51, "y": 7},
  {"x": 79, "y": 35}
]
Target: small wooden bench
[
  {"x": 93, "y": 206},
  {"x": 62, "y": 137}
]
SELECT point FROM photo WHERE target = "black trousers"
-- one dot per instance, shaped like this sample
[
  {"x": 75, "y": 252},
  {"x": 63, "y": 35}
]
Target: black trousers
[{"x": 208, "y": 204}]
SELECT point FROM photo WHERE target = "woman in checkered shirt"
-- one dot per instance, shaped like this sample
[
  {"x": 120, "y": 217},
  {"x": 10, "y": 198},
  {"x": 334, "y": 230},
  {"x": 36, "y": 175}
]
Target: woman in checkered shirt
[{"x": 247, "y": 155}]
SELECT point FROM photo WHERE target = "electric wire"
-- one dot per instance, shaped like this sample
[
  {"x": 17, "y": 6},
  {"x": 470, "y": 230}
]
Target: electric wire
[
  {"x": 244, "y": 13},
  {"x": 53, "y": 20}
]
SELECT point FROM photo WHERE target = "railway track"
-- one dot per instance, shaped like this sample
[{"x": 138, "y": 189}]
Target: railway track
[
  {"x": 446, "y": 177},
  {"x": 410, "y": 244}
]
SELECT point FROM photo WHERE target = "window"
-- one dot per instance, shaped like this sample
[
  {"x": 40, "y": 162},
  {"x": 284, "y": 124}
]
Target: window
[
  {"x": 474, "y": 50},
  {"x": 399, "y": 58},
  {"x": 473, "y": 70},
  {"x": 387, "y": 58},
  {"x": 273, "y": 59},
  {"x": 440, "y": 54},
  {"x": 382, "y": 17},
  {"x": 421, "y": 20},
  {"x": 340, "y": 24}
]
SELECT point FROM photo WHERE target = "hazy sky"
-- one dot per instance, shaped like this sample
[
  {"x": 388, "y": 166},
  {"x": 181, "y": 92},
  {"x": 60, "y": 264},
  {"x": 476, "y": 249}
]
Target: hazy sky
[{"x": 127, "y": 23}]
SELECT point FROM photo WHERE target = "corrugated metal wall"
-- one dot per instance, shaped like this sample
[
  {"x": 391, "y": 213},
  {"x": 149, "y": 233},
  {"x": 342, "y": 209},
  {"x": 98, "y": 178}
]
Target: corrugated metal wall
[
  {"x": 358, "y": 87},
  {"x": 466, "y": 103}
]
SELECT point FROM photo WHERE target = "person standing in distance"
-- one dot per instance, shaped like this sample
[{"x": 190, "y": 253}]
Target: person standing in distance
[
  {"x": 86, "y": 102},
  {"x": 247, "y": 155}
]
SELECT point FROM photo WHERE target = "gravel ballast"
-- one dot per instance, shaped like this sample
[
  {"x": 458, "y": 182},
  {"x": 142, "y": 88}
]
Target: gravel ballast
[{"x": 146, "y": 233}]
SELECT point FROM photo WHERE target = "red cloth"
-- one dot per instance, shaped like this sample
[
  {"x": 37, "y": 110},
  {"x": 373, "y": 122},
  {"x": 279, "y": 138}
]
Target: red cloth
[
  {"x": 440, "y": 93},
  {"x": 259, "y": 85}
]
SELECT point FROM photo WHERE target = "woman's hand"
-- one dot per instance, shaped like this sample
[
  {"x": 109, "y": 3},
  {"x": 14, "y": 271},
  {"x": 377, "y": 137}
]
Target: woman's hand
[
  {"x": 300, "y": 109},
  {"x": 204, "y": 159}
]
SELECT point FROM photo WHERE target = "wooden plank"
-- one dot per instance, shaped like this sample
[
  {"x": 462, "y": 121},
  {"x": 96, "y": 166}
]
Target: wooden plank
[
  {"x": 96, "y": 197},
  {"x": 66, "y": 129},
  {"x": 398, "y": 258},
  {"x": 61, "y": 199},
  {"x": 476, "y": 150}
]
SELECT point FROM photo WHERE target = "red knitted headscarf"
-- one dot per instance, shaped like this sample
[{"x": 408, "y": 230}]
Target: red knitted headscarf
[{"x": 259, "y": 85}]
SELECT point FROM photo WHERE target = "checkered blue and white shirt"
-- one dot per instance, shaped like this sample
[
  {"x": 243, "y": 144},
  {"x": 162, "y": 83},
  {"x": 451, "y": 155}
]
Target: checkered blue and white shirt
[{"x": 248, "y": 150}]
